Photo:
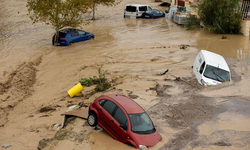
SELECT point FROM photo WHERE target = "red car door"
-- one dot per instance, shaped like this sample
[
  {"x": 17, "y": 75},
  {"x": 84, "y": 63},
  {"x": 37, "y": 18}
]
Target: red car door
[
  {"x": 120, "y": 125},
  {"x": 105, "y": 118}
]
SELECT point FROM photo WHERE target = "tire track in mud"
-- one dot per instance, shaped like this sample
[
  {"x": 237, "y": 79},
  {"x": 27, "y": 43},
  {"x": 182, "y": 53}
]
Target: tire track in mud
[{"x": 17, "y": 88}]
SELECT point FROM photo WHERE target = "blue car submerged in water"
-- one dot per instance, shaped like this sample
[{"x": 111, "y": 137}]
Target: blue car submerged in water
[
  {"x": 69, "y": 36},
  {"x": 152, "y": 14}
]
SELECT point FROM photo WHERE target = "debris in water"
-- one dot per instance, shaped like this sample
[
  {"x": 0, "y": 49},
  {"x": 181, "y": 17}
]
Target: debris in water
[
  {"x": 183, "y": 46},
  {"x": 222, "y": 143},
  {"x": 164, "y": 72},
  {"x": 224, "y": 37}
]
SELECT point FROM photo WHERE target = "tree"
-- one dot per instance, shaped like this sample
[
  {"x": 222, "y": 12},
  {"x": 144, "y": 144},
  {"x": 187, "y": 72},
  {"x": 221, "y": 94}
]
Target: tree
[
  {"x": 220, "y": 16},
  {"x": 58, "y": 13},
  {"x": 94, "y": 3}
]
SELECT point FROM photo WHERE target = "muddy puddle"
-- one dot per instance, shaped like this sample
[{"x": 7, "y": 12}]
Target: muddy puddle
[{"x": 136, "y": 52}]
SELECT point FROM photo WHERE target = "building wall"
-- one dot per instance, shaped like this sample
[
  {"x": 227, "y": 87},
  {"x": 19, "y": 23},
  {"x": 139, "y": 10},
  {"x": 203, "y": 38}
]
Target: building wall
[{"x": 245, "y": 27}]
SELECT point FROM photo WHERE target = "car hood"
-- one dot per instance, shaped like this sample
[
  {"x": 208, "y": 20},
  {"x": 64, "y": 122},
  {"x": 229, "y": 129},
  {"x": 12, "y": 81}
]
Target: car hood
[
  {"x": 147, "y": 139},
  {"x": 210, "y": 81}
]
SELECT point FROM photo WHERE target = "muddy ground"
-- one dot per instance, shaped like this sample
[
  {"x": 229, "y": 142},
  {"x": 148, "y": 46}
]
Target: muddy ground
[{"x": 35, "y": 77}]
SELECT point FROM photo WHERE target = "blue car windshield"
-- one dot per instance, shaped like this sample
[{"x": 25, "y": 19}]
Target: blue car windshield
[
  {"x": 149, "y": 12},
  {"x": 141, "y": 123},
  {"x": 216, "y": 73}
]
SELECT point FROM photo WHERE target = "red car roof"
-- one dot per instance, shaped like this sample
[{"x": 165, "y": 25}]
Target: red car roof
[{"x": 128, "y": 104}]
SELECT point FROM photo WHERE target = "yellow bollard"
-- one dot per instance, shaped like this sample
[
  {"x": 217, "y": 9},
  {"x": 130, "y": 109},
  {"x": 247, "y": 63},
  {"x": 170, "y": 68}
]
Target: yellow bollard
[{"x": 74, "y": 91}]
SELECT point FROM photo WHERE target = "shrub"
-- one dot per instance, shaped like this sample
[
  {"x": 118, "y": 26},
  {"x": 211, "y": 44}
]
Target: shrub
[
  {"x": 220, "y": 16},
  {"x": 192, "y": 22},
  {"x": 101, "y": 81}
]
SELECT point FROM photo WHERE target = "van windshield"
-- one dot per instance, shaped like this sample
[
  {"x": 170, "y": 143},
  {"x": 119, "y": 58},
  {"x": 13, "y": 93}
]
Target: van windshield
[
  {"x": 141, "y": 123},
  {"x": 216, "y": 73}
]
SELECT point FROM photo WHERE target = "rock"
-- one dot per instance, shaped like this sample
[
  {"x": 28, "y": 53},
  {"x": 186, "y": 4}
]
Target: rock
[
  {"x": 6, "y": 145},
  {"x": 43, "y": 143},
  {"x": 56, "y": 126},
  {"x": 46, "y": 109}
]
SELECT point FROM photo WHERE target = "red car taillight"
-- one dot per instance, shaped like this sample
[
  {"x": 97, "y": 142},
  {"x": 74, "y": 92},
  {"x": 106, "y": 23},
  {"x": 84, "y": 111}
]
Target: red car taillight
[
  {"x": 63, "y": 39},
  {"x": 136, "y": 12}
]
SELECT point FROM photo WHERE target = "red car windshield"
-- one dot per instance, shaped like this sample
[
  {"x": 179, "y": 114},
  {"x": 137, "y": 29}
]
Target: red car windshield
[{"x": 141, "y": 123}]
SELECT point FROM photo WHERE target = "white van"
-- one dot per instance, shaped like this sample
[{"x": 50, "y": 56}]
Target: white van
[
  {"x": 210, "y": 68},
  {"x": 135, "y": 10}
]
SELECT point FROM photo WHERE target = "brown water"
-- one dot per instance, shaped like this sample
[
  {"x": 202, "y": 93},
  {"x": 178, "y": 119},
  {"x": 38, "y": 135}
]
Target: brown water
[{"x": 134, "y": 51}]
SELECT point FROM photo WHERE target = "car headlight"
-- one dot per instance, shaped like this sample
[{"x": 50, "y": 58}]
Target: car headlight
[
  {"x": 143, "y": 147},
  {"x": 203, "y": 82}
]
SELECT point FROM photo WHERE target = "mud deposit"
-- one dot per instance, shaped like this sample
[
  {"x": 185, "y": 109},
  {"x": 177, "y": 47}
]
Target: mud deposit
[{"x": 147, "y": 60}]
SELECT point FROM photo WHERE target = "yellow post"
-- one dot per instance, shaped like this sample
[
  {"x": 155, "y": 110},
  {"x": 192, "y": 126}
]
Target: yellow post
[{"x": 76, "y": 90}]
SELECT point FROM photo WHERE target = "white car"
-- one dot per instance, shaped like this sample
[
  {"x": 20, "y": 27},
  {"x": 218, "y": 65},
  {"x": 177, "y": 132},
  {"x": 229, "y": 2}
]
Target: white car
[
  {"x": 211, "y": 68},
  {"x": 135, "y": 10}
]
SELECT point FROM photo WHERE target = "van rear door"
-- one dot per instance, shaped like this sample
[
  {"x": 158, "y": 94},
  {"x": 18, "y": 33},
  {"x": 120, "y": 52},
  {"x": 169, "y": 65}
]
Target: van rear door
[{"x": 130, "y": 11}]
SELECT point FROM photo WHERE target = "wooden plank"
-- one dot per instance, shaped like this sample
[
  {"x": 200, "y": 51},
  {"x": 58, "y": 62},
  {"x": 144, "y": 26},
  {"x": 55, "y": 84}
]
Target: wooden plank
[{"x": 81, "y": 113}]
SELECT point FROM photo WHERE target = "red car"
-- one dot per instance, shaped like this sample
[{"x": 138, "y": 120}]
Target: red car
[{"x": 124, "y": 120}]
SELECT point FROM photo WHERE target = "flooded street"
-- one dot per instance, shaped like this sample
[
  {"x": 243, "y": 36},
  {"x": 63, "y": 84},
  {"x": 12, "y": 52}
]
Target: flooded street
[{"x": 34, "y": 74}]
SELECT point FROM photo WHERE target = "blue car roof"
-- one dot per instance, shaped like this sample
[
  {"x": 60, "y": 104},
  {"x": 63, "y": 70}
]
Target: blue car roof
[{"x": 67, "y": 30}]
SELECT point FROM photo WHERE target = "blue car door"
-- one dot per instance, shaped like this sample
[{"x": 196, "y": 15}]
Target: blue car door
[
  {"x": 83, "y": 35},
  {"x": 74, "y": 36}
]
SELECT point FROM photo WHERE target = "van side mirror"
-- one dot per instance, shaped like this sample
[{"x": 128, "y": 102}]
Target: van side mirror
[{"x": 166, "y": 11}]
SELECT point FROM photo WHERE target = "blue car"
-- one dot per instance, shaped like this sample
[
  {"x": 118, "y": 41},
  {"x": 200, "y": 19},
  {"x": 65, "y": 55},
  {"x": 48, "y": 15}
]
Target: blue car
[
  {"x": 69, "y": 36},
  {"x": 152, "y": 14}
]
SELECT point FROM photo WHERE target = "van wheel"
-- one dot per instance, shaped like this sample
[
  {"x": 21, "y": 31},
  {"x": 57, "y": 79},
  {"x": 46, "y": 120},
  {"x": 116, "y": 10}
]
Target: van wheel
[
  {"x": 92, "y": 120},
  {"x": 124, "y": 16}
]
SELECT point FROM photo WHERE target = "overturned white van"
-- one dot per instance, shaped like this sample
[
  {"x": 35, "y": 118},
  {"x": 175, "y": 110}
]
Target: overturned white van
[{"x": 210, "y": 68}]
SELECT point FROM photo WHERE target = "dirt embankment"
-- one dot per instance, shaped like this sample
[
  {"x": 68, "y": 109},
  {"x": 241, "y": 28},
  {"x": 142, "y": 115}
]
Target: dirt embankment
[{"x": 17, "y": 88}]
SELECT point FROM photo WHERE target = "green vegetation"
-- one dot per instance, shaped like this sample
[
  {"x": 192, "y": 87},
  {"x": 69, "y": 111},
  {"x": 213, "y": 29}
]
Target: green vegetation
[
  {"x": 192, "y": 23},
  {"x": 61, "y": 135},
  {"x": 220, "y": 16},
  {"x": 58, "y": 13},
  {"x": 101, "y": 81},
  {"x": 64, "y": 13}
]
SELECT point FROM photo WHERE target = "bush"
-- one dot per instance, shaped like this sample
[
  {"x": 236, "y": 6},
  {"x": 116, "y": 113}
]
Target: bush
[
  {"x": 220, "y": 16},
  {"x": 101, "y": 81},
  {"x": 192, "y": 22}
]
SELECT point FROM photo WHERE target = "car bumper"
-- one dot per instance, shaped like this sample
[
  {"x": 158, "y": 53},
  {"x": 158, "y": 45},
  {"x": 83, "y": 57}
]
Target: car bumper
[{"x": 62, "y": 44}]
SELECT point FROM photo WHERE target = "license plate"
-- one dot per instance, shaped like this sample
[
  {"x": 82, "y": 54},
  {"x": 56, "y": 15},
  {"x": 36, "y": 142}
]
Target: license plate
[{"x": 146, "y": 16}]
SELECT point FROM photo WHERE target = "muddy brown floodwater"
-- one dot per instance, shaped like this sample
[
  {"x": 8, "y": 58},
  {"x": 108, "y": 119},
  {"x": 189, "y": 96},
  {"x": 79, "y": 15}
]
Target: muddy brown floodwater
[{"x": 35, "y": 75}]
